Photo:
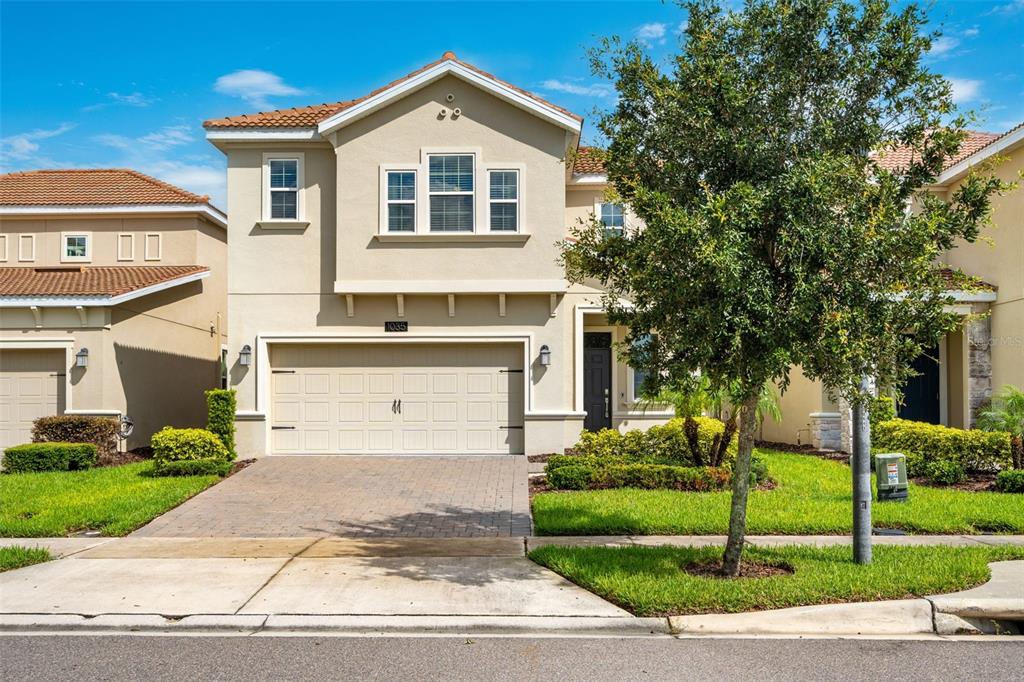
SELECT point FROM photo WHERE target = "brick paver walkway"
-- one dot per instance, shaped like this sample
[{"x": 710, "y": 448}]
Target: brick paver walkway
[{"x": 307, "y": 496}]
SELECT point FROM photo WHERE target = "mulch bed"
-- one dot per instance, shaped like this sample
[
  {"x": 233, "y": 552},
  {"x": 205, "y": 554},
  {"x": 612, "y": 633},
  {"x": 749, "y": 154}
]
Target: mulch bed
[
  {"x": 239, "y": 465},
  {"x": 805, "y": 449},
  {"x": 748, "y": 569},
  {"x": 975, "y": 483},
  {"x": 119, "y": 458}
]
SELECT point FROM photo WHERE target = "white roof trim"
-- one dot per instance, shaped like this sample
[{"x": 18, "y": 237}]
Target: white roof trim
[
  {"x": 445, "y": 68},
  {"x": 272, "y": 134},
  {"x": 214, "y": 214},
  {"x": 451, "y": 286},
  {"x": 97, "y": 301},
  {"x": 588, "y": 179},
  {"x": 1000, "y": 144}
]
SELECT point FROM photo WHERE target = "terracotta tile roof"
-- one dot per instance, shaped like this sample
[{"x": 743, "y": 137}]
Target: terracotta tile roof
[
  {"x": 87, "y": 280},
  {"x": 588, "y": 160},
  {"x": 957, "y": 279},
  {"x": 898, "y": 158},
  {"x": 307, "y": 117},
  {"x": 93, "y": 186}
]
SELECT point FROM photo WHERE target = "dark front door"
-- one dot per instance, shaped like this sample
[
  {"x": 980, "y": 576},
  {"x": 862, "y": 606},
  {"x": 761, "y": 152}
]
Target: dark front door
[
  {"x": 597, "y": 380},
  {"x": 921, "y": 394}
]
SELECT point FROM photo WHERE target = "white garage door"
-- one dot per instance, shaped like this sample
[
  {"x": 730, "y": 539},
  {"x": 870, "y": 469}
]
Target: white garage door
[
  {"x": 31, "y": 386},
  {"x": 397, "y": 398}
]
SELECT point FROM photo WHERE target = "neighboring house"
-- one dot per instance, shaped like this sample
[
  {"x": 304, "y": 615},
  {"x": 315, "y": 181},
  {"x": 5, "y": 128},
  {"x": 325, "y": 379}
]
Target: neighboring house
[
  {"x": 960, "y": 374},
  {"x": 112, "y": 300},
  {"x": 394, "y": 278}
]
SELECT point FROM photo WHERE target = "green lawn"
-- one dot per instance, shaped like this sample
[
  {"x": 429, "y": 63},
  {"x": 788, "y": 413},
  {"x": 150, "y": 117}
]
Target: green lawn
[
  {"x": 17, "y": 557},
  {"x": 813, "y": 496},
  {"x": 112, "y": 500},
  {"x": 649, "y": 581}
]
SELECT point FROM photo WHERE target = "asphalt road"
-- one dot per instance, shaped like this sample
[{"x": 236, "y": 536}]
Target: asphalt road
[{"x": 563, "y": 659}]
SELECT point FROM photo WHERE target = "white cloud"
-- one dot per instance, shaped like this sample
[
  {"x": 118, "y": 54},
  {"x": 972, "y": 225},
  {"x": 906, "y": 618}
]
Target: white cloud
[
  {"x": 1008, "y": 8},
  {"x": 943, "y": 45},
  {"x": 592, "y": 90},
  {"x": 24, "y": 146},
  {"x": 651, "y": 33},
  {"x": 133, "y": 99},
  {"x": 254, "y": 86},
  {"x": 159, "y": 140},
  {"x": 683, "y": 25},
  {"x": 972, "y": 32},
  {"x": 202, "y": 178},
  {"x": 964, "y": 89}
]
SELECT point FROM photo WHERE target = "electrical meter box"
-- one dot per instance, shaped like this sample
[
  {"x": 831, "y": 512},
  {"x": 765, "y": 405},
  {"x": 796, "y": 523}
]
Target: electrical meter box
[{"x": 891, "y": 476}]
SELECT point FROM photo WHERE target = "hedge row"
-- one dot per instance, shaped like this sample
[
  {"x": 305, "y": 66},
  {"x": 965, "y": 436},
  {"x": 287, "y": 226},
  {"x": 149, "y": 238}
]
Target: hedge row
[
  {"x": 49, "y": 457},
  {"x": 668, "y": 444},
  {"x": 102, "y": 432},
  {"x": 588, "y": 475},
  {"x": 929, "y": 447}
]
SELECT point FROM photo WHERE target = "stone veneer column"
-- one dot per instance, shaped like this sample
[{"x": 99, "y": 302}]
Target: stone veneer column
[
  {"x": 979, "y": 350},
  {"x": 825, "y": 428}
]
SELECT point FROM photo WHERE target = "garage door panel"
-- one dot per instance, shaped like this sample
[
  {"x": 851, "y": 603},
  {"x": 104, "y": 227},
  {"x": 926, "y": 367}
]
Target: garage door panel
[
  {"x": 32, "y": 385},
  {"x": 455, "y": 398}
]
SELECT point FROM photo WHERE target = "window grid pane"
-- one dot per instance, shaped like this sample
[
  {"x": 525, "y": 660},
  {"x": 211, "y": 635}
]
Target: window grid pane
[
  {"x": 613, "y": 216},
  {"x": 284, "y": 205},
  {"x": 451, "y": 213},
  {"x": 504, "y": 185},
  {"x": 284, "y": 174},
  {"x": 401, "y": 186},
  {"x": 74, "y": 247},
  {"x": 401, "y": 217},
  {"x": 504, "y": 217},
  {"x": 451, "y": 173}
]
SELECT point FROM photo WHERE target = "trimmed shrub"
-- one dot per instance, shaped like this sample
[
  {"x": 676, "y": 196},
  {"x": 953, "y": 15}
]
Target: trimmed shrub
[
  {"x": 663, "y": 444},
  {"x": 209, "y": 466},
  {"x": 881, "y": 409},
  {"x": 1010, "y": 481},
  {"x": 946, "y": 472},
  {"x": 220, "y": 417},
  {"x": 176, "y": 445},
  {"x": 652, "y": 476},
  {"x": 570, "y": 477},
  {"x": 102, "y": 432},
  {"x": 923, "y": 444},
  {"x": 49, "y": 457},
  {"x": 758, "y": 470}
]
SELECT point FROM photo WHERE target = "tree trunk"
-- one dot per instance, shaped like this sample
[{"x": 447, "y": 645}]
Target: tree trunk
[{"x": 740, "y": 488}]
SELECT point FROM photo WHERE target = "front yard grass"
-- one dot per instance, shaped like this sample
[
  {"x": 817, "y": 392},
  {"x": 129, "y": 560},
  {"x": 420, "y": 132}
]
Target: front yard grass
[
  {"x": 649, "y": 581},
  {"x": 813, "y": 496},
  {"x": 18, "y": 557},
  {"x": 113, "y": 500}
]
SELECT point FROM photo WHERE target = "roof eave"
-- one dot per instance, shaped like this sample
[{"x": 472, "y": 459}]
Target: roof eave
[
  {"x": 1001, "y": 144},
  {"x": 71, "y": 301},
  {"x": 209, "y": 211}
]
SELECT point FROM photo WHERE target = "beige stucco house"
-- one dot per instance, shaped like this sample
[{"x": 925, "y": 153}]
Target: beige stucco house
[
  {"x": 112, "y": 300},
  {"x": 968, "y": 365},
  {"x": 394, "y": 284}
]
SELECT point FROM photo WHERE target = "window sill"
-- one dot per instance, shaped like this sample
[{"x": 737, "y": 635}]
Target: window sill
[
  {"x": 283, "y": 224},
  {"x": 513, "y": 237}
]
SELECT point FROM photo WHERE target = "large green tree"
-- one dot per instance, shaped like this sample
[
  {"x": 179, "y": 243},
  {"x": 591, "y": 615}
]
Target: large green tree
[{"x": 772, "y": 236}]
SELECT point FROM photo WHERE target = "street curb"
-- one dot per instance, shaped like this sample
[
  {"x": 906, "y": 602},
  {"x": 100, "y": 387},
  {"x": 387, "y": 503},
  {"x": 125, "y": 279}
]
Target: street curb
[{"x": 258, "y": 624}]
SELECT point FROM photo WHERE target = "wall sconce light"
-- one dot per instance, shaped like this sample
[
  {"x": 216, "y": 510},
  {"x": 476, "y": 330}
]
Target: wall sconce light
[
  {"x": 245, "y": 355},
  {"x": 82, "y": 358},
  {"x": 545, "y": 356}
]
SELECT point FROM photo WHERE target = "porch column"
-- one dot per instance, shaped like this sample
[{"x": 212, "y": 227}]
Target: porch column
[{"x": 979, "y": 350}]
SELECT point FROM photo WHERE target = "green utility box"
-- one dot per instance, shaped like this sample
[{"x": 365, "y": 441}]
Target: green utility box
[{"x": 891, "y": 476}]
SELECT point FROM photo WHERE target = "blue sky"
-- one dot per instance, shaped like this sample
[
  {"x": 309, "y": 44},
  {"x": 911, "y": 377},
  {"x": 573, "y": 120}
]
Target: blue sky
[{"x": 129, "y": 84}]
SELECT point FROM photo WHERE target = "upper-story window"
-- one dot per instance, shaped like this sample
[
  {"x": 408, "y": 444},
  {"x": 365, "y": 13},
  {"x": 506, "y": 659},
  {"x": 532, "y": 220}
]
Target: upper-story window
[
  {"x": 613, "y": 217},
  {"x": 401, "y": 201},
  {"x": 451, "y": 192},
  {"x": 282, "y": 186},
  {"x": 504, "y": 200},
  {"x": 76, "y": 247}
]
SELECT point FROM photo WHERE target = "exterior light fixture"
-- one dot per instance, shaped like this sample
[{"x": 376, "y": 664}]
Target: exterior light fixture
[
  {"x": 82, "y": 358},
  {"x": 545, "y": 356},
  {"x": 245, "y": 355}
]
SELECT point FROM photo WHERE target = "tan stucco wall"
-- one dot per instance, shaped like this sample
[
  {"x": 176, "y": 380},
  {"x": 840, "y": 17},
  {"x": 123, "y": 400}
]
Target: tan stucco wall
[
  {"x": 151, "y": 357},
  {"x": 998, "y": 258}
]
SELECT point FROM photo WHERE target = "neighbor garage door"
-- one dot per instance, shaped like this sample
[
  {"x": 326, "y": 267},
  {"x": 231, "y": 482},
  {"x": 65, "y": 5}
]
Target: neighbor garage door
[
  {"x": 397, "y": 398},
  {"x": 31, "y": 386}
]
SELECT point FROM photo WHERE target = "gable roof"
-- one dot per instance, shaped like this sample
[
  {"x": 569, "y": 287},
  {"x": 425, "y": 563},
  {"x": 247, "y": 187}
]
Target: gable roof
[
  {"x": 899, "y": 157},
  {"x": 588, "y": 161},
  {"x": 88, "y": 285},
  {"x": 85, "y": 190},
  {"x": 329, "y": 116}
]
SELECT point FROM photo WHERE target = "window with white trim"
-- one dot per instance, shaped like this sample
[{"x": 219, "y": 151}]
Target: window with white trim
[
  {"x": 76, "y": 247},
  {"x": 401, "y": 201},
  {"x": 153, "y": 246},
  {"x": 613, "y": 217},
  {"x": 450, "y": 188},
  {"x": 3, "y": 248},
  {"x": 284, "y": 189},
  {"x": 504, "y": 200}
]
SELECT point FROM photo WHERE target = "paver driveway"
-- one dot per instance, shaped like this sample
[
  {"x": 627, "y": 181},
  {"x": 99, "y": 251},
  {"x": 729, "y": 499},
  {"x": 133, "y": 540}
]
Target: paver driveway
[{"x": 306, "y": 496}]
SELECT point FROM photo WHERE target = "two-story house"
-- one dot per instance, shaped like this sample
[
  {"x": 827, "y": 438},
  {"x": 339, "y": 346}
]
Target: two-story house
[
  {"x": 394, "y": 279},
  {"x": 112, "y": 300}
]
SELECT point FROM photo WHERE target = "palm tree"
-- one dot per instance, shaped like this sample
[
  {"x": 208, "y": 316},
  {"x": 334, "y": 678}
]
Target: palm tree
[{"x": 1006, "y": 413}]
